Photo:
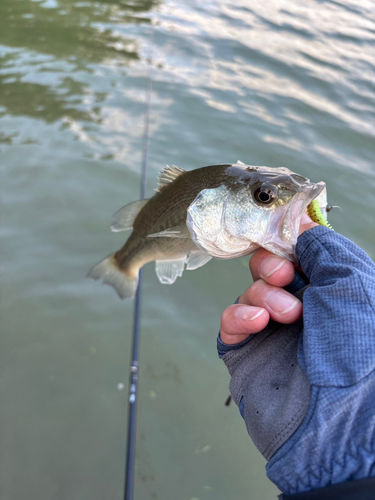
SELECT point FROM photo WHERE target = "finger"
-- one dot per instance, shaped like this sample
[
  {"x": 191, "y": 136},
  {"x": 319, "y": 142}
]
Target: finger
[
  {"x": 274, "y": 270},
  {"x": 281, "y": 305},
  {"x": 240, "y": 321},
  {"x": 306, "y": 224}
]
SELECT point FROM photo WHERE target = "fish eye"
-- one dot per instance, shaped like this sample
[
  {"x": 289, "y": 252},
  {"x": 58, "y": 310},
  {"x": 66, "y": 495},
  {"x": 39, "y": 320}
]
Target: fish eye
[{"x": 265, "y": 194}]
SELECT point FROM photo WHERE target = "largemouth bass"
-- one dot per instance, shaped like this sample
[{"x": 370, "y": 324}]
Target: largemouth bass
[{"x": 222, "y": 211}]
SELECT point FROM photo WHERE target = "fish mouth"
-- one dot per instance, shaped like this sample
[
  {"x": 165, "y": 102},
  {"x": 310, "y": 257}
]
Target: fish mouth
[
  {"x": 292, "y": 219},
  {"x": 312, "y": 191},
  {"x": 315, "y": 191},
  {"x": 309, "y": 193}
]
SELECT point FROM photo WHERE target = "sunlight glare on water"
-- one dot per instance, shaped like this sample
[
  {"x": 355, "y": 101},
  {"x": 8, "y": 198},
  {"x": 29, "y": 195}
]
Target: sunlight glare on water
[{"x": 277, "y": 83}]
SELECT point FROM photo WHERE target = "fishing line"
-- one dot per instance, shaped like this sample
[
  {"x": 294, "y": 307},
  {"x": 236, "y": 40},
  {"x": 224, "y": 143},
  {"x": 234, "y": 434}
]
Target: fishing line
[{"x": 134, "y": 364}]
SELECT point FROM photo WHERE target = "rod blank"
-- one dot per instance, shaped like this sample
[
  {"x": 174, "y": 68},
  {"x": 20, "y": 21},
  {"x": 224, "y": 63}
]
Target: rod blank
[{"x": 134, "y": 364}]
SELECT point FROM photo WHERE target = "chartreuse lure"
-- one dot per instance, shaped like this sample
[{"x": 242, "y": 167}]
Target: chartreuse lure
[{"x": 315, "y": 214}]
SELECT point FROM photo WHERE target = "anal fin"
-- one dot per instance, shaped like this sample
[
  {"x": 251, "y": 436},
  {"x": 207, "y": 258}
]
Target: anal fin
[{"x": 169, "y": 270}]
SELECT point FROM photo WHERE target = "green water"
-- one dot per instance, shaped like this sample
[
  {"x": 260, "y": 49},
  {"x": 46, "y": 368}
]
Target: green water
[{"x": 279, "y": 83}]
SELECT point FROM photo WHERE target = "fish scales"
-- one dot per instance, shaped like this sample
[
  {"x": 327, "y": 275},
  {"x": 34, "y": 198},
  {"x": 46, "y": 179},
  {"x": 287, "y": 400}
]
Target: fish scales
[{"x": 167, "y": 209}]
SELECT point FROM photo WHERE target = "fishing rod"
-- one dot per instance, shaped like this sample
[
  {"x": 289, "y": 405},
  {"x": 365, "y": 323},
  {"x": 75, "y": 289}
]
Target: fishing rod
[{"x": 134, "y": 364}]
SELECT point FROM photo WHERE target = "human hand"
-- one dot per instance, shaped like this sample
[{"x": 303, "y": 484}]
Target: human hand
[
  {"x": 306, "y": 389},
  {"x": 265, "y": 299}
]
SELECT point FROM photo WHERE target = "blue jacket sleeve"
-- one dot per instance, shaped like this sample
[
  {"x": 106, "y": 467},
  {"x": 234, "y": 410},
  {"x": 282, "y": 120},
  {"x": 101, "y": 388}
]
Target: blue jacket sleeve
[
  {"x": 336, "y": 440},
  {"x": 338, "y": 308}
]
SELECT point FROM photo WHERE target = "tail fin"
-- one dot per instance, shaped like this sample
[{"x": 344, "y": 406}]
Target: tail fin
[{"x": 112, "y": 275}]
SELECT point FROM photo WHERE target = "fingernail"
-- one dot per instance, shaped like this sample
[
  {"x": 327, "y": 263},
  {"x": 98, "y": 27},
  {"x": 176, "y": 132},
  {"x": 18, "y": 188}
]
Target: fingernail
[
  {"x": 270, "y": 266},
  {"x": 281, "y": 302},
  {"x": 248, "y": 313}
]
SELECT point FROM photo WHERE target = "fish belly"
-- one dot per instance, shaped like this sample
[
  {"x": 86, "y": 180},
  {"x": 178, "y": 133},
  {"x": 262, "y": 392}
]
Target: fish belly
[{"x": 136, "y": 253}]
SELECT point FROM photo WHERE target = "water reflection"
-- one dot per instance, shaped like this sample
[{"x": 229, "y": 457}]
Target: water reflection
[
  {"x": 69, "y": 29},
  {"x": 43, "y": 101},
  {"x": 59, "y": 39}
]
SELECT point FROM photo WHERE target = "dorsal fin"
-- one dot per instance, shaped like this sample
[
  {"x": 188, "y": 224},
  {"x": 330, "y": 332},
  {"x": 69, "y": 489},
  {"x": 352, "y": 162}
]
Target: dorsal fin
[{"x": 168, "y": 175}]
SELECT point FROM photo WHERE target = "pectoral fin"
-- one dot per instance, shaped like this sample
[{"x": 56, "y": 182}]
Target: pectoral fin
[
  {"x": 169, "y": 270},
  {"x": 172, "y": 232},
  {"x": 125, "y": 217}
]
